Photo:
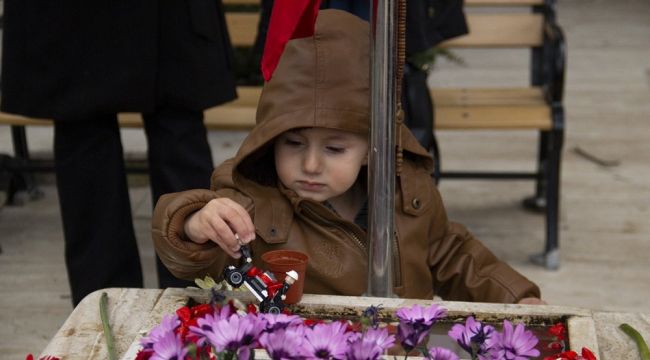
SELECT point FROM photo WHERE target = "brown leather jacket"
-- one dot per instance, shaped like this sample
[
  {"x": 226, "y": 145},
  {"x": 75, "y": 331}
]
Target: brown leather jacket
[{"x": 323, "y": 81}]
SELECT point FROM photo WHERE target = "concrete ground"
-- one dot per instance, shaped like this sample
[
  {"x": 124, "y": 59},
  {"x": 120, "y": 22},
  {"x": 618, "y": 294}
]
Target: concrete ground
[{"x": 605, "y": 233}]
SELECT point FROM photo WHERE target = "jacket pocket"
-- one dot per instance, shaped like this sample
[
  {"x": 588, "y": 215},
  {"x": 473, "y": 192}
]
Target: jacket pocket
[
  {"x": 204, "y": 18},
  {"x": 416, "y": 190}
]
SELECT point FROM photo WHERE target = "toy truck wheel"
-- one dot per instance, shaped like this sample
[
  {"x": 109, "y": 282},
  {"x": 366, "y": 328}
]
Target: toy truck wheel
[
  {"x": 234, "y": 278},
  {"x": 271, "y": 307}
]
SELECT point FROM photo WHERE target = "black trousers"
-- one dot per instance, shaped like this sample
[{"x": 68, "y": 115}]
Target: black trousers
[{"x": 100, "y": 243}]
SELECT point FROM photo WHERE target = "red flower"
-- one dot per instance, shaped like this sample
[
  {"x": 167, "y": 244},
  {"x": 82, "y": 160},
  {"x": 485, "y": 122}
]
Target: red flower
[
  {"x": 251, "y": 309},
  {"x": 189, "y": 317},
  {"x": 184, "y": 314},
  {"x": 144, "y": 354},
  {"x": 353, "y": 327},
  {"x": 558, "y": 331},
  {"x": 46, "y": 357},
  {"x": 587, "y": 354},
  {"x": 233, "y": 308},
  {"x": 201, "y": 310},
  {"x": 312, "y": 322},
  {"x": 567, "y": 355},
  {"x": 572, "y": 355}
]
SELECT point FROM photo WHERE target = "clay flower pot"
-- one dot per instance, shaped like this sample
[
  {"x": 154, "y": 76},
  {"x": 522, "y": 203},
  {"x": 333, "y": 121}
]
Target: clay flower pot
[{"x": 279, "y": 262}]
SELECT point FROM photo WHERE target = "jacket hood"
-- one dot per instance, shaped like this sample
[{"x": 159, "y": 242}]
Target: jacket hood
[{"x": 320, "y": 81}]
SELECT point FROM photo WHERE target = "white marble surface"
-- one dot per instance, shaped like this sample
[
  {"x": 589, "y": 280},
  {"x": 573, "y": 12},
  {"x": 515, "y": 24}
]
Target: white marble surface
[{"x": 132, "y": 312}]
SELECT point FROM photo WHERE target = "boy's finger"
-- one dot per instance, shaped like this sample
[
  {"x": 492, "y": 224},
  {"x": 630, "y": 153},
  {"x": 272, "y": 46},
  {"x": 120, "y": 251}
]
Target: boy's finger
[
  {"x": 239, "y": 220},
  {"x": 232, "y": 251},
  {"x": 232, "y": 254},
  {"x": 246, "y": 229},
  {"x": 224, "y": 236}
]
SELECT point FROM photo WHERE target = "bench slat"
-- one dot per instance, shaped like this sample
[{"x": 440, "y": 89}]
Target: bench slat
[
  {"x": 493, "y": 117},
  {"x": 488, "y": 96},
  {"x": 486, "y": 30},
  {"x": 242, "y": 28},
  {"x": 481, "y": 108},
  {"x": 11, "y": 119},
  {"x": 467, "y": 2},
  {"x": 247, "y": 96},
  {"x": 501, "y": 30},
  {"x": 456, "y": 108},
  {"x": 241, "y": 2},
  {"x": 496, "y": 2},
  {"x": 238, "y": 114}
]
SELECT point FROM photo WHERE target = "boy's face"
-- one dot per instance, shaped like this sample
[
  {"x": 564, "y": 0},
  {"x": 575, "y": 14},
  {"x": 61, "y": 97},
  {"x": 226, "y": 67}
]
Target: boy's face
[{"x": 319, "y": 163}]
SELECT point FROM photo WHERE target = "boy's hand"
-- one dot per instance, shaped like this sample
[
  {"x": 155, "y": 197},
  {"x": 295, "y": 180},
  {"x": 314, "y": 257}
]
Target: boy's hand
[
  {"x": 532, "y": 301},
  {"x": 223, "y": 221}
]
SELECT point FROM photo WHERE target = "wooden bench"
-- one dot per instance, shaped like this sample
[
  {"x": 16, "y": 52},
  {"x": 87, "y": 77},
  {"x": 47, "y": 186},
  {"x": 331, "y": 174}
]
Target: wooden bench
[
  {"x": 537, "y": 107},
  {"x": 515, "y": 24}
]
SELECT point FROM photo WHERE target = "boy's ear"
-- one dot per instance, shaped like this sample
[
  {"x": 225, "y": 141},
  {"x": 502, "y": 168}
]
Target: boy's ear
[{"x": 365, "y": 160}]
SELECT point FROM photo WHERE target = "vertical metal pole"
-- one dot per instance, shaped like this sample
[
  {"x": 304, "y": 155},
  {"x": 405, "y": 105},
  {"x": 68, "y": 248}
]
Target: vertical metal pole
[{"x": 381, "y": 183}]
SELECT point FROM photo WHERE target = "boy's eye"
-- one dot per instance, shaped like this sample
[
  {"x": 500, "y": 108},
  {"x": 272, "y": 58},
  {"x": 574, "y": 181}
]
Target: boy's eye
[
  {"x": 335, "y": 149},
  {"x": 292, "y": 142}
]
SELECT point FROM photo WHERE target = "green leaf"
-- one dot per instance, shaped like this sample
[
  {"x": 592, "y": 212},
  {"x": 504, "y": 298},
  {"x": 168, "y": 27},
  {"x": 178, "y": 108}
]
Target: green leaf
[
  {"x": 103, "y": 313},
  {"x": 205, "y": 283},
  {"x": 640, "y": 342}
]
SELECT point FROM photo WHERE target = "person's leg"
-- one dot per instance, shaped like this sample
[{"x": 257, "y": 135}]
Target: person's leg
[
  {"x": 100, "y": 246},
  {"x": 179, "y": 159}
]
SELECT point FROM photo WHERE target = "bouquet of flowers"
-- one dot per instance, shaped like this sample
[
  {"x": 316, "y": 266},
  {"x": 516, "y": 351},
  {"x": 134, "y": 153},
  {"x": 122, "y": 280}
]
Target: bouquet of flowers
[{"x": 226, "y": 331}]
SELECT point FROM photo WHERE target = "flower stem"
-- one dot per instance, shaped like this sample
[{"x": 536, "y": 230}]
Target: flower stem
[
  {"x": 103, "y": 313},
  {"x": 640, "y": 343},
  {"x": 424, "y": 351}
]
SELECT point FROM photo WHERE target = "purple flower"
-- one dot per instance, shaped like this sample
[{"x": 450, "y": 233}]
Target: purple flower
[
  {"x": 169, "y": 347},
  {"x": 474, "y": 337},
  {"x": 285, "y": 343},
  {"x": 280, "y": 321},
  {"x": 371, "y": 315},
  {"x": 206, "y": 323},
  {"x": 167, "y": 324},
  {"x": 440, "y": 353},
  {"x": 326, "y": 341},
  {"x": 415, "y": 323},
  {"x": 235, "y": 334},
  {"x": 517, "y": 344},
  {"x": 370, "y": 345}
]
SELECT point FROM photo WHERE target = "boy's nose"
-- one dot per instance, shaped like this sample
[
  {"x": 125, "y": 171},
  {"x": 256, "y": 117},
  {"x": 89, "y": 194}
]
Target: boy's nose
[{"x": 312, "y": 162}]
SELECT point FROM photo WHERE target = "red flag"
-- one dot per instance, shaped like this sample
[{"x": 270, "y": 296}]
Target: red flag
[{"x": 290, "y": 19}]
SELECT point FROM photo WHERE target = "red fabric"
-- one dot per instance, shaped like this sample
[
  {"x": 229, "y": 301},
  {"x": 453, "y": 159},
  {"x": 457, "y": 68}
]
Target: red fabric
[{"x": 290, "y": 19}]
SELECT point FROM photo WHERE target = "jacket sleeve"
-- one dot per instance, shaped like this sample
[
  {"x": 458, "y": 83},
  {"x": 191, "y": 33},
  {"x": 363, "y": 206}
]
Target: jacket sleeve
[
  {"x": 463, "y": 269},
  {"x": 183, "y": 257}
]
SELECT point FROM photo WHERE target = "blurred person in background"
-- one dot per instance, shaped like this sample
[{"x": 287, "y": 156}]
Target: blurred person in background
[{"x": 80, "y": 63}]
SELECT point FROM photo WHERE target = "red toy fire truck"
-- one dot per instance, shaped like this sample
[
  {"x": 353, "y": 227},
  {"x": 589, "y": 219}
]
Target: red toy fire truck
[{"x": 263, "y": 284}]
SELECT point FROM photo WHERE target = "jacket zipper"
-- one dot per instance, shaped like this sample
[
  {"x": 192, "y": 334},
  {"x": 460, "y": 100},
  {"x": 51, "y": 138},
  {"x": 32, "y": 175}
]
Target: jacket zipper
[
  {"x": 397, "y": 269},
  {"x": 323, "y": 220}
]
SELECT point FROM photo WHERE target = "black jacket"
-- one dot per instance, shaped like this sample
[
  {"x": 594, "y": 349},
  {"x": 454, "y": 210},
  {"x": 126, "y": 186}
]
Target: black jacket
[
  {"x": 429, "y": 22},
  {"x": 72, "y": 58}
]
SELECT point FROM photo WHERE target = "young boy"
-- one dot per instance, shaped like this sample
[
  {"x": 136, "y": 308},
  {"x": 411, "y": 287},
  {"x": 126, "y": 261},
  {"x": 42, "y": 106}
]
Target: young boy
[{"x": 299, "y": 182}]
